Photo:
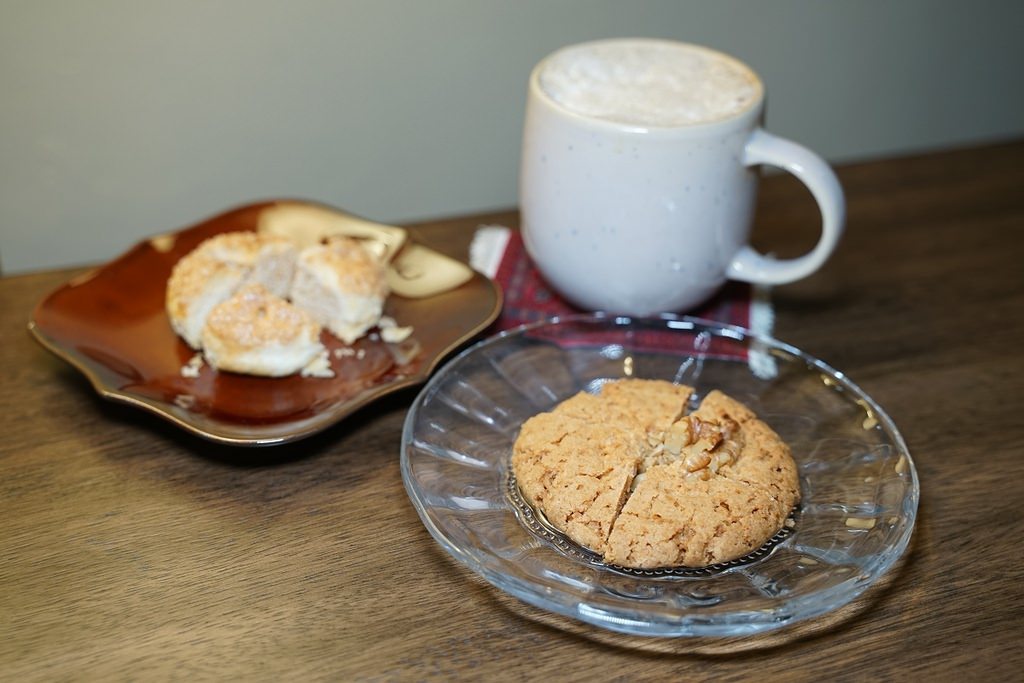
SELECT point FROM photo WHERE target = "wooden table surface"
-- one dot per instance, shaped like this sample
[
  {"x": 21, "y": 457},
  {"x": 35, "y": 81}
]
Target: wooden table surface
[{"x": 130, "y": 550}]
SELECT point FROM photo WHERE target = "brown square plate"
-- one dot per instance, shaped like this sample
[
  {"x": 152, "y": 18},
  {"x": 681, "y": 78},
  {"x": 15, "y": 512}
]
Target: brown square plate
[{"x": 111, "y": 324}]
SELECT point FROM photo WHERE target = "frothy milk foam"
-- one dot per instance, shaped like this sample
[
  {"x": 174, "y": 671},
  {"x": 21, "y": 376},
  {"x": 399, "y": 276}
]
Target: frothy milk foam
[{"x": 649, "y": 83}]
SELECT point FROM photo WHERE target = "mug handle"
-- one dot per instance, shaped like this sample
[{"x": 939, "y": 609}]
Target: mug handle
[{"x": 764, "y": 148}]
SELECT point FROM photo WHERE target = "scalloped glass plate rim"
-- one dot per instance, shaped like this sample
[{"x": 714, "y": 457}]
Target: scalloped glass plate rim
[{"x": 682, "y": 624}]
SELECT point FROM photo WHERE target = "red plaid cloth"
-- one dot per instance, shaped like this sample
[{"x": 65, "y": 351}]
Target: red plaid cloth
[{"x": 529, "y": 299}]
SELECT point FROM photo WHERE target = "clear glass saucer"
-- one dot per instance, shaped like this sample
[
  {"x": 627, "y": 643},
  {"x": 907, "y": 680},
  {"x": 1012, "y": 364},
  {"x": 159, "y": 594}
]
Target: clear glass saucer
[{"x": 858, "y": 483}]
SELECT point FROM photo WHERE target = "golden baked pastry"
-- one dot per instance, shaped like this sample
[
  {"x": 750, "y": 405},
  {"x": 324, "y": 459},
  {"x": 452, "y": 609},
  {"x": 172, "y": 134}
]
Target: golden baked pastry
[
  {"x": 258, "y": 333},
  {"x": 215, "y": 270},
  {"x": 342, "y": 285},
  {"x": 229, "y": 297}
]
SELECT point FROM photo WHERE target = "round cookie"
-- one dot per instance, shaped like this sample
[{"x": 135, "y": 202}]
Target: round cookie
[{"x": 627, "y": 475}]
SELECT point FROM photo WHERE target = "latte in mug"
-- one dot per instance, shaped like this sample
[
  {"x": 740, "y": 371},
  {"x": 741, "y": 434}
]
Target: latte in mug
[
  {"x": 650, "y": 83},
  {"x": 638, "y": 178}
]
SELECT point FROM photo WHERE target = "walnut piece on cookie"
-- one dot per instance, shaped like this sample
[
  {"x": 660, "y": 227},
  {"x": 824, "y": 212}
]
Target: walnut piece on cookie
[{"x": 627, "y": 474}]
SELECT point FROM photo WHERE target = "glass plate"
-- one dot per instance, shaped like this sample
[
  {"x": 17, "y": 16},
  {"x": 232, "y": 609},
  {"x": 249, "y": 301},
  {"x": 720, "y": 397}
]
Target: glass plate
[
  {"x": 858, "y": 482},
  {"x": 111, "y": 324}
]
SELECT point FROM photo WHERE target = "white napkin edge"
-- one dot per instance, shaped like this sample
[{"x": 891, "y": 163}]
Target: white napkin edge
[
  {"x": 487, "y": 249},
  {"x": 762, "y": 322}
]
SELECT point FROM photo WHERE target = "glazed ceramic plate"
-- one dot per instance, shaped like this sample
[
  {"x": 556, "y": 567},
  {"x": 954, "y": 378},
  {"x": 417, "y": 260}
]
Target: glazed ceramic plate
[
  {"x": 111, "y": 325},
  {"x": 858, "y": 483}
]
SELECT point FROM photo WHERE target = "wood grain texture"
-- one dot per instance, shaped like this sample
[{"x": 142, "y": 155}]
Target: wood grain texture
[{"x": 132, "y": 551}]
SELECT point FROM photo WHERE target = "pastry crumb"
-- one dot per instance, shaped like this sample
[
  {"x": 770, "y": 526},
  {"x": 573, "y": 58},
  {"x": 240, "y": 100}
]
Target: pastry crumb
[
  {"x": 319, "y": 367},
  {"x": 193, "y": 366},
  {"x": 395, "y": 335},
  {"x": 391, "y": 332},
  {"x": 185, "y": 401}
]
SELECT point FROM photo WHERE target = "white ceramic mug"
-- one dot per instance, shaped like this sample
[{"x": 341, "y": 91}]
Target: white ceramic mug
[{"x": 627, "y": 216}]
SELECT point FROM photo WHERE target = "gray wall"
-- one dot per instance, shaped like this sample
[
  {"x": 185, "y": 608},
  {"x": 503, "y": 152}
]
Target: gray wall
[{"x": 121, "y": 119}]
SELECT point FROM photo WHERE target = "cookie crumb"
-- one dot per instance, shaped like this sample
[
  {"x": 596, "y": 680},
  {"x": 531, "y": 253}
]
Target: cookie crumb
[{"x": 860, "y": 523}]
